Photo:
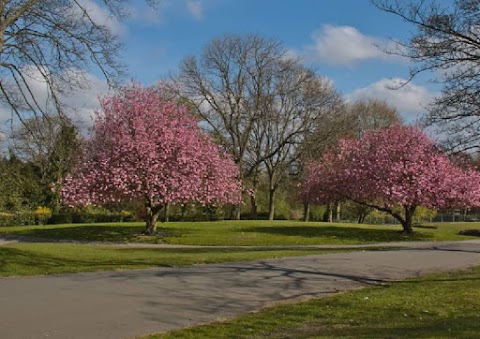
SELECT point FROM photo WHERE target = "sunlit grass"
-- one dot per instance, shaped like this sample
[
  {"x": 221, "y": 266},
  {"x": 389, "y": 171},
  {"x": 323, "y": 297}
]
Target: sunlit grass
[
  {"x": 50, "y": 258},
  {"x": 248, "y": 232},
  {"x": 436, "y": 306}
]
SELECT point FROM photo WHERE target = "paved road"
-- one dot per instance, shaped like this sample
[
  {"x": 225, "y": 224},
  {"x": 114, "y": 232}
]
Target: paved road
[{"x": 131, "y": 303}]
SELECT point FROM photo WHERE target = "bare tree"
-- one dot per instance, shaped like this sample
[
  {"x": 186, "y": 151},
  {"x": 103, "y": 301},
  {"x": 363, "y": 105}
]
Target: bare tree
[
  {"x": 297, "y": 108},
  {"x": 54, "y": 43},
  {"x": 447, "y": 44},
  {"x": 240, "y": 87},
  {"x": 368, "y": 114}
]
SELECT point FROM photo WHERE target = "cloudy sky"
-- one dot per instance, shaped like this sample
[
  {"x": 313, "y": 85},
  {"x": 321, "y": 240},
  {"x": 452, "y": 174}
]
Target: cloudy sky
[{"x": 337, "y": 38}]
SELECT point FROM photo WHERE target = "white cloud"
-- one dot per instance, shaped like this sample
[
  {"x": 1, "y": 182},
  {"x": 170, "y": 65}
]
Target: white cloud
[
  {"x": 410, "y": 100},
  {"x": 195, "y": 8},
  {"x": 101, "y": 16},
  {"x": 345, "y": 46},
  {"x": 79, "y": 103},
  {"x": 144, "y": 14},
  {"x": 82, "y": 103}
]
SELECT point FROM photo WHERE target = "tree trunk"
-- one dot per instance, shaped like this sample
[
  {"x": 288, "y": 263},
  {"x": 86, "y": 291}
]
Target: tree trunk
[
  {"x": 254, "y": 207},
  {"x": 338, "y": 211},
  {"x": 408, "y": 220},
  {"x": 271, "y": 204},
  {"x": 153, "y": 212},
  {"x": 306, "y": 211},
  {"x": 328, "y": 215},
  {"x": 236, "y": 212},
  {"x": 166, "y": 215}
]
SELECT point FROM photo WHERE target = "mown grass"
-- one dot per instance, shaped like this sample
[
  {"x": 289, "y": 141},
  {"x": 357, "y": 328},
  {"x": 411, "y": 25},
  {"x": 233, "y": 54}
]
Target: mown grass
[
  {"x": 248, "y": 232},
  {"x": 51, "y": 258},
  {"x": 435, "y": 306}
]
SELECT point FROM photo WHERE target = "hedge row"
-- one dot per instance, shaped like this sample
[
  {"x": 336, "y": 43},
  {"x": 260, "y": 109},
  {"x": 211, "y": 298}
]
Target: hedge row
[
  {"x": 86, "y": 217},
  {"x": 24, "y": 218}
]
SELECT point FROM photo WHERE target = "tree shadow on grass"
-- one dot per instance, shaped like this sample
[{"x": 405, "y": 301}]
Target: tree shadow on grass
[
  {"x": 464, "y": 327},
  {"x": 100, "y": 233},
  {"x": 341, "y": 232},
  {"x": 15, "y": 262}
]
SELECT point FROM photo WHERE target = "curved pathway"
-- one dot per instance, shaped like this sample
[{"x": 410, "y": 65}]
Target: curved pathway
[{"x": 125, "y": 304}]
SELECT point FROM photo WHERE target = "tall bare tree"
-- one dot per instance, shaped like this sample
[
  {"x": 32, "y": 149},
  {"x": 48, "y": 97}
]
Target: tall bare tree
[
  {"x": 297, "y": 108},
  {"x": 54, "y": 43},
  {"x": 243, "y": 87},
  {"x": 446, "y": 44}
]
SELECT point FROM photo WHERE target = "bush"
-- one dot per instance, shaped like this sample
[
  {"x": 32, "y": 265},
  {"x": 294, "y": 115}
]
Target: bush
[
  {"x": 6, "y": 219},
  {"x": 90, "y": 215},
  {"x": 17, "y": 218},
  {"x": 42, "y": 215},
  {"x": 61, "y": 218}
]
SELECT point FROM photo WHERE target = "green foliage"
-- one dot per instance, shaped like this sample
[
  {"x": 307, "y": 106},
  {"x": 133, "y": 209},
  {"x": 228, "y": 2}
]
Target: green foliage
[
  {"x": 42, "y": 215},
  {"x": 22, "y": 182},
  {"x": 380, "y": 218},
  {"x": 317, "y": 212},
  {"x": 17, "y": 218},
  {"x": 61, "y": 160},
  {"x": 192, "y": 212},
  {"x": 90, "y": 215},
  {"x": 423, "y": 214}
]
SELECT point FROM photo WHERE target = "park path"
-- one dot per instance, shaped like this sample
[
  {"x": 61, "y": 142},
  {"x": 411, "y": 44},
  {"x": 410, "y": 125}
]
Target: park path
[{"x": 126, "y": 304}]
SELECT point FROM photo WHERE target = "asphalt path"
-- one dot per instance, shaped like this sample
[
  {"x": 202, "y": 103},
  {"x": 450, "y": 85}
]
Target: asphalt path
[{"x": 127, "y": 304}]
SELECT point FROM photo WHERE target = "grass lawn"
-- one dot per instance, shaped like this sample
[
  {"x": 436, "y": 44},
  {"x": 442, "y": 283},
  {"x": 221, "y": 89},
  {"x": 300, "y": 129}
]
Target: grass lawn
[
  {"x": 248, "y": 232},
  {"x": 50, "y": 258},
  {"x": 435, "y": 306}
]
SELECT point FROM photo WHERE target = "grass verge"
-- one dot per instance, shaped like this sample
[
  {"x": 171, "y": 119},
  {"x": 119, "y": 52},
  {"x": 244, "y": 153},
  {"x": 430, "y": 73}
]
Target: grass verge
[
  {"x": 435, "y": 306},
  {"x": 247, "y": 232},
  {"x": 51, "y": 258}
]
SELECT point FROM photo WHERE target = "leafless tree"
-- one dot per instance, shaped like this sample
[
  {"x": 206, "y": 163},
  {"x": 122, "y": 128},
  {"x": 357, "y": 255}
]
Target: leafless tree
[
  {"x": 447, "y": 44},
  {"x": 245, "y": 89},
  {"x": 298, "y": 107},
  {"x": 53, "y": 43},
  {"x": 370, "y": 114}
]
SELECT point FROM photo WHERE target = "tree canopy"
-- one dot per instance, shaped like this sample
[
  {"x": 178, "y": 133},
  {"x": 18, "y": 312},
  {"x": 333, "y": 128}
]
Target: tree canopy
[
  {"x": 148, "y": 148},
  {"x": 390, "y": 168}
]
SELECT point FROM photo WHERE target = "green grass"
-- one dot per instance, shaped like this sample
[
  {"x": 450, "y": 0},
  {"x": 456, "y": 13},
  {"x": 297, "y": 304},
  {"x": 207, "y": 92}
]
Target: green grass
[
  {"x": 50, "y": 258},
  {"x": 436, "y": 306},
  {"x": 243, "y": 233}
]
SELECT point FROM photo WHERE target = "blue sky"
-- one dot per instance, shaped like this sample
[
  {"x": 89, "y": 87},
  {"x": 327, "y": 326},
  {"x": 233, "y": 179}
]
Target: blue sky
[{"x": 335, "y": 37}]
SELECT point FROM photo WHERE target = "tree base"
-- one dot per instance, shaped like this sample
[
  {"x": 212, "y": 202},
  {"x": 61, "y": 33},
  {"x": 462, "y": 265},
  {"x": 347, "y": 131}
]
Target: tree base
[{"x": 150, "y": 232}]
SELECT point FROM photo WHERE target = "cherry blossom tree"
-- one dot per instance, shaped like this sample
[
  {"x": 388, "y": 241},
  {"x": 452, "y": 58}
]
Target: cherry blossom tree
[
  {"x": 390, "y": 168},
  {"x": 150, "y": 148}
]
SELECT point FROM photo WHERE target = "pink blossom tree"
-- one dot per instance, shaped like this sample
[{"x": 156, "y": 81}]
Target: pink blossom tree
[
  {"x": 146, "y": 147},
  {"x": 394, "y": 167}
]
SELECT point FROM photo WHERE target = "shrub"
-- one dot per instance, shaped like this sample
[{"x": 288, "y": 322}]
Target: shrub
[
  {"x": 90, "y": 215},
  {"x": 61, "y": 218},
  {"x": 6, "y": 219},
  {"x": 42, "y": 215},
  {"x": 17, "y": 218}
]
